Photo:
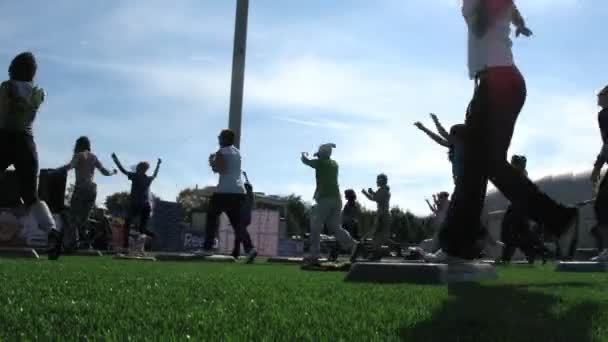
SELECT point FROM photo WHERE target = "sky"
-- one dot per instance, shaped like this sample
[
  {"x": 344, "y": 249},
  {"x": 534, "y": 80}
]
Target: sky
[{"x": 150, "y": 79}]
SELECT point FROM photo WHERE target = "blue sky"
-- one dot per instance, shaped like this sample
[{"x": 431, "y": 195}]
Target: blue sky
[{"x": 149, "y": 79}]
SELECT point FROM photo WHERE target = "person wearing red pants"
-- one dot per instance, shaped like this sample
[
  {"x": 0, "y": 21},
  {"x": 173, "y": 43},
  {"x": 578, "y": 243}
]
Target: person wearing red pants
[{"x": 499, "y": 96}]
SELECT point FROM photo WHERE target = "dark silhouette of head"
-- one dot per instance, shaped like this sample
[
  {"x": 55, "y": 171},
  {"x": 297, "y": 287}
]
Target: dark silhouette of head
[
  {"x": 23, "y": 67},
  {"x": 458, "y": 131},
  {"x": 382, "y": 180},
  {"x": 142, "y": 167},
  {"x": 82, "y": 144},
  {"x": 350, "y": 195},
  {"x": 226, "y": 138}
]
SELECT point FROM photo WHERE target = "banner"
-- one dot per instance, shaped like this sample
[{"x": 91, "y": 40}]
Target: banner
[
  {"x": 22, "y": 231},
  {"x": 264, "y": 232}
]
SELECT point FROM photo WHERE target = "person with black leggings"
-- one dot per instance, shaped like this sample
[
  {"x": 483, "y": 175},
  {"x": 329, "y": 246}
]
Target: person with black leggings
[
  {"x": 229, "y": 196},
  {"x": 20, "y": 100},
  {"x": 139, "y": 199}
]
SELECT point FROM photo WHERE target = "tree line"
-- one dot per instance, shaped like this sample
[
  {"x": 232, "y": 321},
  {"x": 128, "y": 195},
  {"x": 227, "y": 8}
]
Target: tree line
[{"x": 405, "y": 226}]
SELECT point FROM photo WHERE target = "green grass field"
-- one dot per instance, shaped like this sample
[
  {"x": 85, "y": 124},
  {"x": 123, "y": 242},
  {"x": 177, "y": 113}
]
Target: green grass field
[{"x": 100, "y": 298}]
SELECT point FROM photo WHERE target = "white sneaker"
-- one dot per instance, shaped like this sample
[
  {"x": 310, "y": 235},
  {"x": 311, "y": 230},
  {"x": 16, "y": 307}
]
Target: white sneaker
[
  {"x": 494, "y": 250},
  {"x": 602, "y": 257},
  {"x": 311, "y": 261},
  {"x": 203, "y": 252},
  {"x": 442, "y": 257}
]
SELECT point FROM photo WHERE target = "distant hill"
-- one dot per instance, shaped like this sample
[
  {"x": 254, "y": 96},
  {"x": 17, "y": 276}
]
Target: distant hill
[{"x": 565, "y": 188}]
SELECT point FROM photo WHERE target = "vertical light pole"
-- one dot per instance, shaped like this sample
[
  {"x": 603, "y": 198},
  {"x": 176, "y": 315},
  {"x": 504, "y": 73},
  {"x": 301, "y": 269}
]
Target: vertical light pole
[{"x": 238, "y": 69}]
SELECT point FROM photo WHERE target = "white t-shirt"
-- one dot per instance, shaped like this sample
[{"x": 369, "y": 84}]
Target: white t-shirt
[
  {"x": 494, "y": 47},
  {"x": 230, "y": 180}
]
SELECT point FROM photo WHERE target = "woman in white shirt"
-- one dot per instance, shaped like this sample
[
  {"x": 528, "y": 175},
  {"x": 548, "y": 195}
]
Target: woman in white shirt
[
  {"x": 500, "y": 93},
  {"x": 229, "y": 196}
]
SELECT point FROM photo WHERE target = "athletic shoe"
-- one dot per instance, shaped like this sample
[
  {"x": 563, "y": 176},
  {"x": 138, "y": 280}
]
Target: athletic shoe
[
  {"x": 602, "y": 257},
  {"x": 251, "y": 256},
  {"x": 442, "y": 257},
  {"x": 55, "y": 242},
  {"x": 203, "y": 252},
  {"x": 569, "y": 237},
  {"x": 493, "y": 250},
  {"x": 311, "y": 262}
]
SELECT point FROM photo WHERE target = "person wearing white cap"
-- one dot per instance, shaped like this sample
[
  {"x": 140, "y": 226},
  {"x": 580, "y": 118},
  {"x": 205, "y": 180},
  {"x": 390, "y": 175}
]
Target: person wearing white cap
[{"x": 328, "y": 207}]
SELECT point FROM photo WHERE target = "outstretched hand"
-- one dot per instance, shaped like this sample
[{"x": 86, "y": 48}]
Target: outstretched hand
[
  {"x": 159, "y": 161},
  {"x": 114, "y": 157},
  {"x": 524, "y": 30},
  {"x": 433, "y": 117},
  {"x": 419, "y": 125}
]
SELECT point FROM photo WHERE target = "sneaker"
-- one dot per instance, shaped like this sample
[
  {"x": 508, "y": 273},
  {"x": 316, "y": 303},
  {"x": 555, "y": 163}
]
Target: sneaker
[
  {"x": 442, "y": 257},
  {"x": 251, "y": 256},
  {"x": 203, "y": 252},
  {"x": 569, "y": 237},
  {"x": 493, "y": 251},
  {"x": 311, "y": 262},
  {"x": 55, "y": 242},
  {"x": 602, "y": 257}
]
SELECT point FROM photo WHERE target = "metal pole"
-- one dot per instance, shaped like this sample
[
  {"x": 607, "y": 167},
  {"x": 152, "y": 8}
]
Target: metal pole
[{"x": 238, "y": 69}]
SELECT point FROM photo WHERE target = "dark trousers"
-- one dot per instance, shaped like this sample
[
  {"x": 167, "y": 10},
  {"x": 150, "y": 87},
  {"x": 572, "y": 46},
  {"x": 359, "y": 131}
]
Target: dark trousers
[
  {"x": 81, "y": 204},
  {"x": 601, "y": 214},
  {"x": 517, "y": 233},
  {"x": 143, "y": 211},
  {"x": 19, "y": 149},
  {"x": 499, "y": 97},
  {"x": 353, "y": 229},
  {"x": 231, "y": 205},
  {"x": 236, "y": 250}
]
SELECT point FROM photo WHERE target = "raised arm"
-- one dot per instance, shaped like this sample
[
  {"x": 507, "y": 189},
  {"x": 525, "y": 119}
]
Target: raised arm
[
  {"x": 368, "y": 193},
  {"x": 67, "y": 167},
  {"x": 431, "y": 207},
  {"x": 156, "y": 169},
  {"x": 520, "y": 23},
  {"x": 119, "y": 165},
  {"x": 439, "y": 127},
  {"x": 103, "y": 170},
  {"x": 307, "y": 161},
  {"x": 441, "y": 141}
]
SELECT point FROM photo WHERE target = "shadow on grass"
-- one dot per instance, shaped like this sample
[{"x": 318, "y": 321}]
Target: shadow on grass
[{"x": 507, "y": 313}]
